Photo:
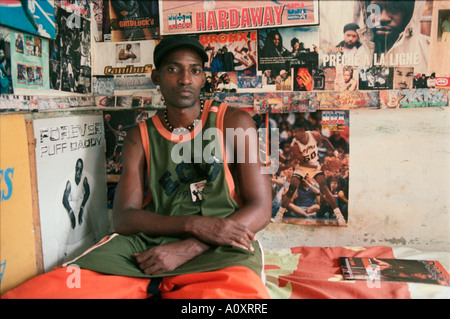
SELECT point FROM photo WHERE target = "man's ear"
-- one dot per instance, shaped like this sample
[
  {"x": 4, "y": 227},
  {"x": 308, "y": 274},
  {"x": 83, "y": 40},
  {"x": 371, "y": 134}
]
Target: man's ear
[
  {"x": 204, "y": 79},
  {"x": 155, "y": 76}
]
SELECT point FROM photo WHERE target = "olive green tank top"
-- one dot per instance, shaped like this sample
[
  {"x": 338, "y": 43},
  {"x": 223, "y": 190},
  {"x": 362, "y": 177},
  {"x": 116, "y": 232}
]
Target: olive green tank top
[{"x": 186, "y": 175}]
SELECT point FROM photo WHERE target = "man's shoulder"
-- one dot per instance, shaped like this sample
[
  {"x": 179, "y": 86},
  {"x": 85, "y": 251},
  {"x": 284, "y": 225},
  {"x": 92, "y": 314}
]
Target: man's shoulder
[
  {"x": 316, "y": 135},
  {"x": 235, "y": 118},
  {"x": 133, "y": 134}
]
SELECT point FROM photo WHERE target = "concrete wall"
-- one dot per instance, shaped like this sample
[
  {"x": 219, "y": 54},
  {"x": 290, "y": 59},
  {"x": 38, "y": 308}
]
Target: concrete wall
[{"x": 399, "y": 185}]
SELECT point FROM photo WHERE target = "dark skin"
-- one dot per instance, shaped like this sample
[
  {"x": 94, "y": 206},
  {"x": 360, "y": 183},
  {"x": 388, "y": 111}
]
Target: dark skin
[
  {"x": 180, "y": 78},
  {"x": 87, "y": 193},
  {"x": 394, "y": 17},
  {"x": 320, "y": 178}
]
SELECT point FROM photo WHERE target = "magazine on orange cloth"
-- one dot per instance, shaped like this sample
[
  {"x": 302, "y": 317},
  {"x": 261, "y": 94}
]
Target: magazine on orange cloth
[{"x": 375, "y": 270}]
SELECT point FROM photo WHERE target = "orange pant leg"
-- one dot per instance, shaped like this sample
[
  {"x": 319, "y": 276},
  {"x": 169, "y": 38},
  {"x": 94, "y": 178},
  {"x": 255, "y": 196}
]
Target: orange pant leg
[
  {"x": 66, "y": 283},
  {"x": 229, "y": 283}
]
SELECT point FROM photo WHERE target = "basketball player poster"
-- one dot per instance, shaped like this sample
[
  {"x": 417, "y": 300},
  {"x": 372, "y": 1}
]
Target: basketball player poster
[
  {"x": 34, "y": 17},
  {"x": 117, "y": 123},
  {"x": 29, "y": 61},
  {"x": 311, "y": 184},
  {"x": 70, "y": 57},
  {"x": 72, "y": 185}
]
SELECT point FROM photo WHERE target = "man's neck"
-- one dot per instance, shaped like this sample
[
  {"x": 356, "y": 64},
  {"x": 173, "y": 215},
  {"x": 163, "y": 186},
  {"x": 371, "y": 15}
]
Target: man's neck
[{"x": 182, "y": 117}]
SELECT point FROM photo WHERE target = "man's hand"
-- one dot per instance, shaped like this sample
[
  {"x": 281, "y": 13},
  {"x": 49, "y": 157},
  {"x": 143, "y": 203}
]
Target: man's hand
[
  {"x": 161, "y": 259},
  {"x": 207, "y": 231},
  {"x": 333, "y": 164},
  {"x": 221, "y": 231}
]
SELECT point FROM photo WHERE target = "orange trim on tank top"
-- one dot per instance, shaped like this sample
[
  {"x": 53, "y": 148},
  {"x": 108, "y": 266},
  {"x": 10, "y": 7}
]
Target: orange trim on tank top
[
  {"x": 228, "y": 175},
  {"x": 146, "y": 146},
  {"x": 186, "y": 137}
]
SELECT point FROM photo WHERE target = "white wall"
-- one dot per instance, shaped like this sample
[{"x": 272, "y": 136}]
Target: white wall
[{"x": 399, "y": 185}]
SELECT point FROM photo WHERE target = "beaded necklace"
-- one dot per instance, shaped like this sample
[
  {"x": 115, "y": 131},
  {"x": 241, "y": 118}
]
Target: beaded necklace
[{"x": 182, "y": 130}]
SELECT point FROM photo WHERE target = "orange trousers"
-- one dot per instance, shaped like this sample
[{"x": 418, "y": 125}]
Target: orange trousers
[{"x": 229, "y": 283}]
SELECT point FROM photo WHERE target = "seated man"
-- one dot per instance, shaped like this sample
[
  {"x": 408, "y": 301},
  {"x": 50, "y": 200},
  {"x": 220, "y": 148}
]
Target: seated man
[{"x": 184, "y": 229}]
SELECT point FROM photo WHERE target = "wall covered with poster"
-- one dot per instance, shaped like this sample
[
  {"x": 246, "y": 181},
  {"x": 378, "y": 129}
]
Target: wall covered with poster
[
  {"x": 286, "y": 46},
  {"x": 290, "y": 63}
]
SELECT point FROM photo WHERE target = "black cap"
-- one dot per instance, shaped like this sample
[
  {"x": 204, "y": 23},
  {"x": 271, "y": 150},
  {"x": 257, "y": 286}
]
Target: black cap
[
  {"x": 351, "y": 26},
  {"x": 172, "y": 42}
]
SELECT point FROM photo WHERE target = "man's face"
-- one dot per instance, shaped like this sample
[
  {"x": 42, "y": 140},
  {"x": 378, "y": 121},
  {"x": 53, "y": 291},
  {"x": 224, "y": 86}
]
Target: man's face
[
  {"x": 180, "y": 77},
  {"x": 347, "y": 76},
  {"x": 276, "y": 40},
  {"x": 392, "y": 17},
  {"x": 78, "y": 171},
  {"x": 403, "y": 78},
  {"x": 298, "y": 133},
  {"x": 333, "y": 185},
  {"x": 302, "y": 73},
  {"x": 393, "y": 99},
  {"x": 350, "y": 38},
  {"x": 288, "y": 172},
  {"x": 226, "y": 79}
]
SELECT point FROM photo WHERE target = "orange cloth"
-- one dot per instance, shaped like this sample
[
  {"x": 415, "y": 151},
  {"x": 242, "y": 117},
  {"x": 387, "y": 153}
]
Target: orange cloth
[
  {"x": 318, "y": 275},
  {"x": 229, "y": 283},
  {"x": 235, "y": 282}
]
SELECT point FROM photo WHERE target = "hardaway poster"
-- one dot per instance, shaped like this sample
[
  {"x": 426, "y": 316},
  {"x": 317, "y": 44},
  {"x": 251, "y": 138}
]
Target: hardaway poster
[{"x": 214, "y": 16}]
